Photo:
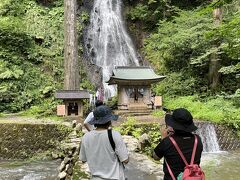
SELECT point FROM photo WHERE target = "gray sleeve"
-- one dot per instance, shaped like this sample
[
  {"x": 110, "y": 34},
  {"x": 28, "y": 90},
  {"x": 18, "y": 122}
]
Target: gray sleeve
[
  {"x": 121, "y": 149},
  {"x": 89, "y": 117},
  {"x": 82, "y": 155}
]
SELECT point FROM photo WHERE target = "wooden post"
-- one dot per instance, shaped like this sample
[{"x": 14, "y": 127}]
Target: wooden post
[{"x": 71, "y": 64}]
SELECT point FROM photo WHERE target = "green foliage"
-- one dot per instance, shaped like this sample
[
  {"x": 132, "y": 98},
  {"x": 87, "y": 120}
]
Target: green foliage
[
  {"x": 150, "y": 11},
  {"x": 78, "y": 173},
  {"x": 112, "y": 102},
  {"x": 84, "y": 17},
  {"x": 216, "y": 109},
  {"x": 155, "y": 135},
  {"x": 158, "y": 113},
  {"x": 139, "y": 12},
  {"x": 46, "y": 109},
  {"x": 182, "y": 47},
  {"x": 176, "y": 84},
  {"x": 128, "y": 125},
  {"x": 131, "y": 127},
  {"x": 31, "y": 55}
]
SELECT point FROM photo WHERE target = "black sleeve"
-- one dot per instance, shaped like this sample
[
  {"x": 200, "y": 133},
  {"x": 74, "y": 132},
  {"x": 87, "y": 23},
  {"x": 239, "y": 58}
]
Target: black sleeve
[{"x": 159, "y": 150}]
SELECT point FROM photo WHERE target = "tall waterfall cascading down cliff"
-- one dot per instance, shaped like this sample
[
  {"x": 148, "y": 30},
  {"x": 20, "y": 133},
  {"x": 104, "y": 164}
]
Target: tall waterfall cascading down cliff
[{"x": 107, "y": 42}]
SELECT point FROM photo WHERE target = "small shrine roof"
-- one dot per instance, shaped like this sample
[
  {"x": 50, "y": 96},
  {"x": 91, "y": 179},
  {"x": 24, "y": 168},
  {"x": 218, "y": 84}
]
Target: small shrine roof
[
  {"x": 135, "y": 73},
  {"x": 72, "y": 94}
]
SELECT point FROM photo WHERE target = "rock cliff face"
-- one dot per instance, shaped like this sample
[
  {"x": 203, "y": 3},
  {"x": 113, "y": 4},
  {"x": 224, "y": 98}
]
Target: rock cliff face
[{"x": 94, "y": 73}]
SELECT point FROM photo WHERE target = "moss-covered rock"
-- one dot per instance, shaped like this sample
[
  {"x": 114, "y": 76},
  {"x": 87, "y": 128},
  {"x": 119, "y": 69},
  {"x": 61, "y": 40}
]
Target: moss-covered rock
[{"x": 19, "y": 141}]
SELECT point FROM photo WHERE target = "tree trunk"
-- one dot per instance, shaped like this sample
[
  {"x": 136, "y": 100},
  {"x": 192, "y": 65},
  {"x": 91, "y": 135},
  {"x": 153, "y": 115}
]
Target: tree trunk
[
  {"x": 71, "y": 64},
  {"x": 215, "y": 65}
]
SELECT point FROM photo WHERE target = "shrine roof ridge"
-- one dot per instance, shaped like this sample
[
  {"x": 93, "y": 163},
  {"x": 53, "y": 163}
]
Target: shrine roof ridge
[
  {"x": 134, "y": 73},
  {"x": 72, "y": 94}
]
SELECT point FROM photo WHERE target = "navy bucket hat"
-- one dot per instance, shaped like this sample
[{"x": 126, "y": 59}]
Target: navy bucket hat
[
  {"x": 181, "y": 119},
  {"x": 102, "y": 114}
]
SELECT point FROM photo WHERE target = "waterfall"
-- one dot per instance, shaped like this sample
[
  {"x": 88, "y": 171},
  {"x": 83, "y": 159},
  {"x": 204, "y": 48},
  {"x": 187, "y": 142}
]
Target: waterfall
[
  {"x": 107, "y": 42},
  {"x": 209, "y": 137}
]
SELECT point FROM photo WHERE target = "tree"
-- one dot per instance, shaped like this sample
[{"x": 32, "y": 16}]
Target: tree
[
  {"x": 71, "y": 64},
  {"x": 215, "y": 61}
]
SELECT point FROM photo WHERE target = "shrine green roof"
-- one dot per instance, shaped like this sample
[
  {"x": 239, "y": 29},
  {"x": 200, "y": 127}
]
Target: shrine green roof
[{"x": 136, "y": 73}]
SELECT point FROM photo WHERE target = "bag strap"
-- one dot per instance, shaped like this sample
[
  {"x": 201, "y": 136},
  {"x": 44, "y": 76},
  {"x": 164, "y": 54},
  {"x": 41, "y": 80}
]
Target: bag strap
[
  {"x": 194, "y": 149},
  {"x": 170, "y": 171},
  {"x": 110, "y": 137},
  {"x": 180, "y": 152}
]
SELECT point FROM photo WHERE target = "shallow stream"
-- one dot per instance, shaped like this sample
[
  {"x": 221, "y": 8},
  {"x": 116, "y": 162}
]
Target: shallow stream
[
  {"x": 222, "y": 165},
  {"x": 34, "y": 170},
  {"x": 217, "y": 166}
]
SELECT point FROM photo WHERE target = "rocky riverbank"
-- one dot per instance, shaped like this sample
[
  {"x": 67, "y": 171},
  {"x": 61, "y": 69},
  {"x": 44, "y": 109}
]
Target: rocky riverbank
[{"x": 140, "y": 166}]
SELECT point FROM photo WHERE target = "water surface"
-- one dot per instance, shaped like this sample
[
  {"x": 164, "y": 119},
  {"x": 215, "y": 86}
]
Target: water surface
[
  {"x": 22, "y": 170},
  {"x": 221, "y": 165},
  {"x": 217, "y": 166}
]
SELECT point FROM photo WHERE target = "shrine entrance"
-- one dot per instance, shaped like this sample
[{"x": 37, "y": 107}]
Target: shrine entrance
[
  {"x": 136, "y": 95},
  {"x": 72, "y": 109},
  {"x": 72, "y": 102},
  {"x": 134, "y": 86}
]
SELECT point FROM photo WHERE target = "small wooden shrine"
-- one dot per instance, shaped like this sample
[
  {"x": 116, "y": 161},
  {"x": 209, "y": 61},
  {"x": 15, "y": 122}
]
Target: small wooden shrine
[
  {"x": 73, "y": 102},
  {"x": 134, "y": 86}
]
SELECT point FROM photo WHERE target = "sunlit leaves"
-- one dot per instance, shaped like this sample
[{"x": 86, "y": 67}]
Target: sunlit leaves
[
  {"x": 31, "y": 53},
  {"x": 186, "y": 43}
]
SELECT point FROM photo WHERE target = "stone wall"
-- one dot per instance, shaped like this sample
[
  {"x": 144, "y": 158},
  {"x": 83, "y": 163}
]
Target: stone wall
[
  {"x": 70, "y": 147},
  {"x": 19, "y": 141},
  {"x": 226, "y": 137}
]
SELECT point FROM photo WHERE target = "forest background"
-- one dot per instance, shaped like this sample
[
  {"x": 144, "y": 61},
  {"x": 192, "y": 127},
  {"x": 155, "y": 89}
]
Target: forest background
[{"x": 198, "y": 53}]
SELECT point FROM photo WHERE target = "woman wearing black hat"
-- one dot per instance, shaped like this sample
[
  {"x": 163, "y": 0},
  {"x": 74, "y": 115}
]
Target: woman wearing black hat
[{"x": 179, "y": 126}]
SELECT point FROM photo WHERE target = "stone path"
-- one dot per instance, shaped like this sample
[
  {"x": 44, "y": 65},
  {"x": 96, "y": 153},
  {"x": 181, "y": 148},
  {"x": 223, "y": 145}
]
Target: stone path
[
  {"x": 16, "y": 118},
  {"x": 139, "y": 119}
]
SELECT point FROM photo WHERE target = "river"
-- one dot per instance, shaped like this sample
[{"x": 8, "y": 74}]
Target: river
[
  {"x": 222, "y": 165},
  {"x": 217, "y": 166},
  {"x": 26, "y": 170}
]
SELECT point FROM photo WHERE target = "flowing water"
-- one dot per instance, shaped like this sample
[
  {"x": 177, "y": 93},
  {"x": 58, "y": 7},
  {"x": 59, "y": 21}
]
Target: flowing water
[
  {"x": 221, "y": 166},
  {"x": 21, "y": 170},
  {"x": 217, "y": 166},
  {"x": 209, "y": 138},
  {"x": 215, "y": 163},
  {"x": 107, "y": 42}
]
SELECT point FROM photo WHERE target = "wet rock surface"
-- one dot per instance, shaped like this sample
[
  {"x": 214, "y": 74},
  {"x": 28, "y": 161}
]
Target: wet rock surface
[{"x": 140, "y": 163}]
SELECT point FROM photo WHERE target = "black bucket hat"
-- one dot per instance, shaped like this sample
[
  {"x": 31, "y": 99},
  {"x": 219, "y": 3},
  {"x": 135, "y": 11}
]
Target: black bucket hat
[
  {"x": 102, "y": 114},
  {"x": 181, "y": 119}
]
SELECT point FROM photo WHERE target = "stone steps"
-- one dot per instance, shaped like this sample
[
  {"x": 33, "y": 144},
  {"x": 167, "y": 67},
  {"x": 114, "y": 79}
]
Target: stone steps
[{"x": 137, "y": 112}]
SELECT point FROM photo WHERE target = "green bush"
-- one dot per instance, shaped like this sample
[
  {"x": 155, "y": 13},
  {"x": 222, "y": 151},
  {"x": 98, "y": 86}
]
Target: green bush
[
  {"x": 214, "y": 109},
  {"x": 131, "y": 127},
  {"x": 181, "y": 48}
]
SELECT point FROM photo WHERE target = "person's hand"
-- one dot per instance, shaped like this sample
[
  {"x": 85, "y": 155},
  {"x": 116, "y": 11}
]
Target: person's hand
[
  {"x": 166, "y": 131},
  {"x": 163, "y": 130}
]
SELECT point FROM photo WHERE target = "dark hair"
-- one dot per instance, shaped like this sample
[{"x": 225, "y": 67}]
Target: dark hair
[
  {"x": 106, "y": 125},
  {"x": 98, "y": 103}
]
